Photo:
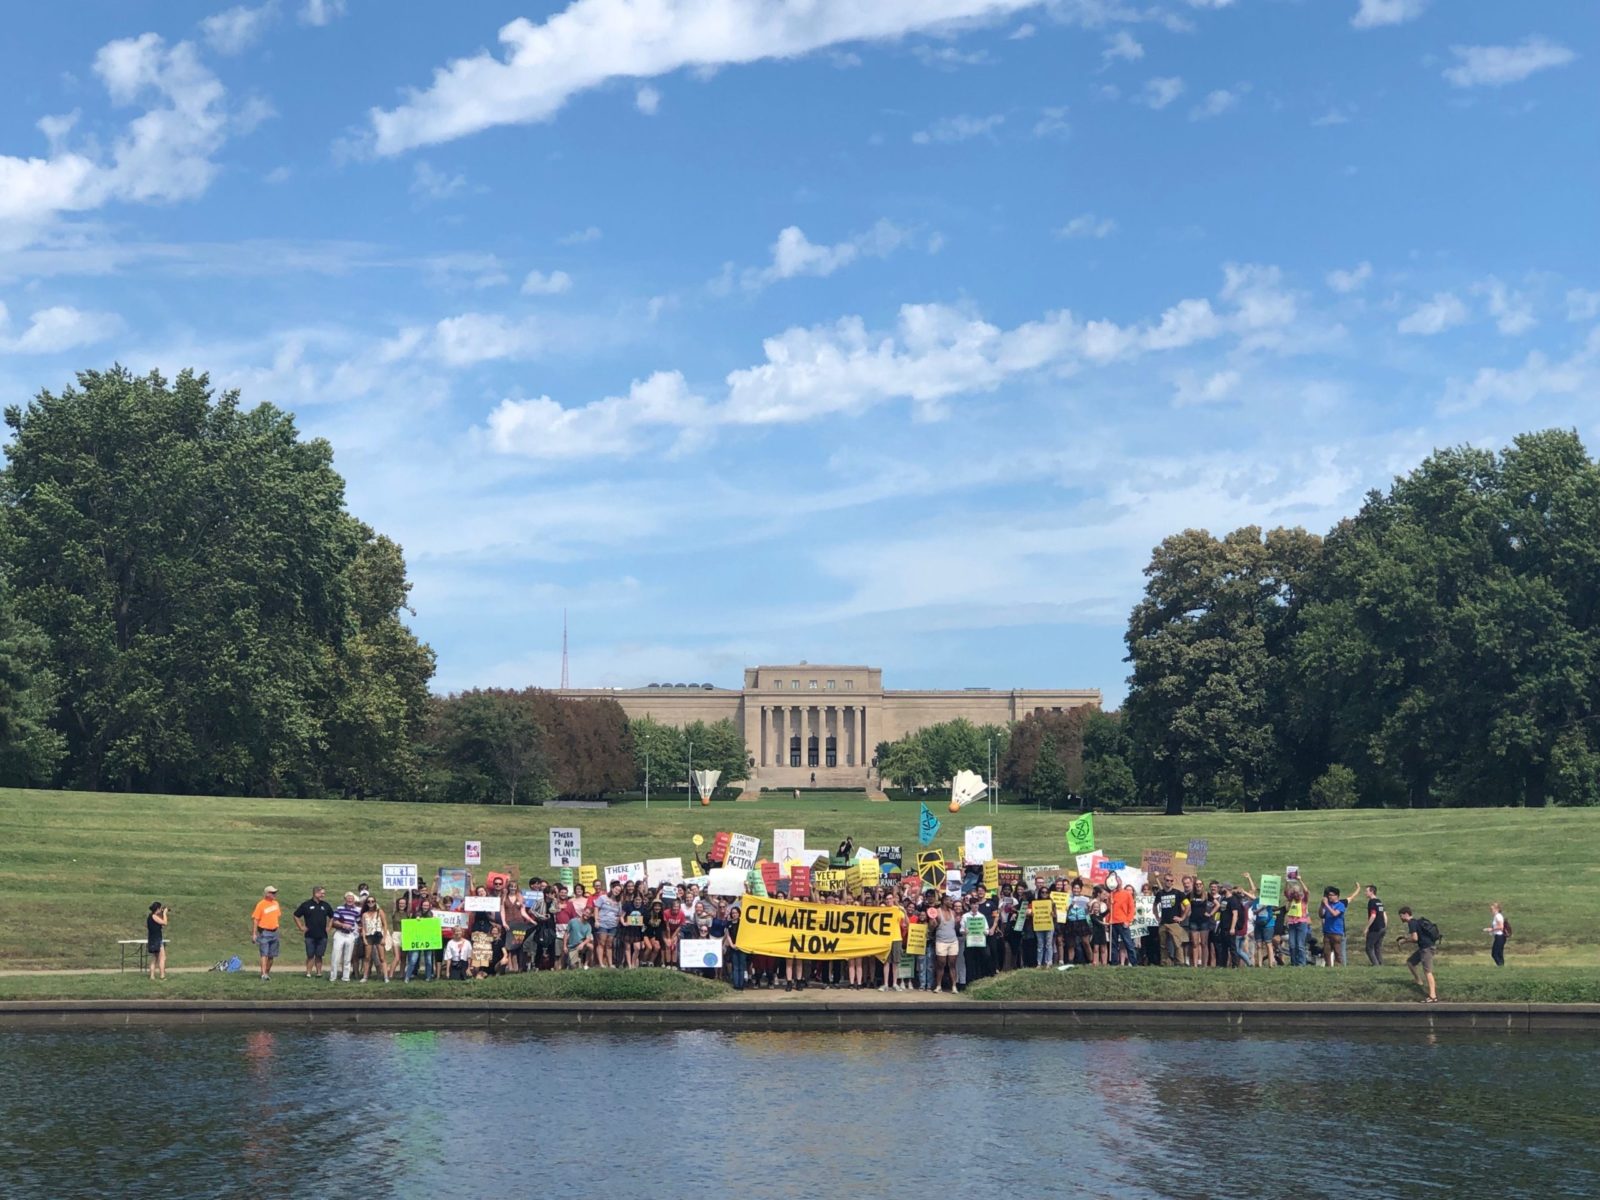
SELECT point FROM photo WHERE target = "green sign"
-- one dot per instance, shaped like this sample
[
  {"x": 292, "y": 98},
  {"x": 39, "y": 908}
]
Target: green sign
[
  {"x": 1080, "y": 835},
  {"x": 1272, "y": 890},
  {"x": 421, "y": 933},
  {"x": 977, "y": 931}
]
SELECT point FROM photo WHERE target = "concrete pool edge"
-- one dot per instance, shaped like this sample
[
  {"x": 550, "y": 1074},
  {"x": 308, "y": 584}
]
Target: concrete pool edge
[{"x": 959, "y": 1016}]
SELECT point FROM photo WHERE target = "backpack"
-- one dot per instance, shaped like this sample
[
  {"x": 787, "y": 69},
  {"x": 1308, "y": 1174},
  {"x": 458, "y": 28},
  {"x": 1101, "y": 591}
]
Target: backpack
[
  {"x": 1505, "y": 925},
  {"x": 229, "y": 964},
  {"x": 1429, "y": 930}
]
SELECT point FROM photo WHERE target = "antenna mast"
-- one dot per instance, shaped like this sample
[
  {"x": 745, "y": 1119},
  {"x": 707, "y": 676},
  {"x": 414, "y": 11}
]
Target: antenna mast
[{"x": 564, "y": 683}]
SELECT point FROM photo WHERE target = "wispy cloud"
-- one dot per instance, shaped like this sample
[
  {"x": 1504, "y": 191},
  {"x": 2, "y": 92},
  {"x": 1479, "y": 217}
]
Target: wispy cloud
[
  {"x": 1087, "y": 225},
  {"x": 538, "y": 283},
  {"x": 1444, "y": 311},
  {"x": 960, "y": 128},
  {"x": 1373, "y": 14},
  {"x": 1159, "y": 92},
  {"x": 1495, "y": 66},
  {"x": 1218, "y": 102},
  {"x": 1352, "y": 280},
  {"x": 430, "y": 184},
  {"x": 235, "y": 30}
]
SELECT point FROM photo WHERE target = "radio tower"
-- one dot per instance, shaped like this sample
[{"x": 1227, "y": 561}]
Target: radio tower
[{"x": 564, "y": 683}]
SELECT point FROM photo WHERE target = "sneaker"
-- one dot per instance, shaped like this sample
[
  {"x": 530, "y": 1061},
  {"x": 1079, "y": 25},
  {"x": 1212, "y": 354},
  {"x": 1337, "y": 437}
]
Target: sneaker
[{"x": 883, "y": 987}]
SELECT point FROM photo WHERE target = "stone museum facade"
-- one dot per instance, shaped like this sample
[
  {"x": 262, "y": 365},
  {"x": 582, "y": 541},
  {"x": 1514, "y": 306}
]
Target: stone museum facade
[{"x": 816, "y": 725}]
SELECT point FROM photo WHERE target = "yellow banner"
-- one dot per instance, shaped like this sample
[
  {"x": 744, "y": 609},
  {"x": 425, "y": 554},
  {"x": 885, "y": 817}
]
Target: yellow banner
[{"x": 795, "y": 929}]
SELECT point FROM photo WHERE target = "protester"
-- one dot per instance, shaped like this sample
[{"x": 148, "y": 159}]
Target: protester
[
  {"x": 1499, "y": 930},
  {"x": 1377, "y": 925},
  {"x": 311, "y": 919},
  {"x": 1297, "y": 922},
  {"x": 345, "y": 921},
  {"x": 947, "y": 944},
  {"x": 374, "y": 931},
  {"x": 1171, "y": 936},
  {"x": 1122, "y": 910},
  {"x": 264, "y": 929},
  {"x": 1425, "y": 934},
  {"x": 458, "y": 954},
  {"x": 580, "y": 940},
  {"x": 420, "y": 962},
  {"x": 607, "y": 919},
  {"x": 155, "y": 939}
]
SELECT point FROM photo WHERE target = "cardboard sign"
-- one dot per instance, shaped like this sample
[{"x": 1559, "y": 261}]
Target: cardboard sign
[
  {"x": 1080, "y": 835},
  {"x": 488, "y": 904},
  {"x": 474, "y": 854},
  {"x": 1032, "y": 875},
  {"x": 1097, "y": 868},
  {"x": 623, "y": 872},
  {"x": 930, "y": 867},
  {"x": 794, "y": 929},
  {"x": 916, "y": 938},
  {"x": 1010, "y": 876},
  {"x": 1272, "y": 890},
  {"x": 566, "y": 847},
  {"x": 587, "y": 875},
  {"x": 889, "y": 854},
  {"x": 800, "y": 883},
  {"x": 399, "y": 877},
  {"x": 977, "y": 930},
  {"x": 450, "y": 920},
  {"x": 421, "y": 933},
  {"x": 770, "y": 876},
  {"x": 979, "y": 844},
  {"x": 1156, "y": 862},
  {"x": 789, "y": 843},
  {"x": 726, "y": 881},
  {"x": 663, "y": 870},
  {"x": 699, "y": 953},
  {"x": 991, "y": 875},
  {"x": 867, "y": 873},
  {"x": 1199, "y": 848},
  {"x": 1044, "y": 915},
  {"x": 719, "y": 848},
  {"x": 743, "y": 851},
  {"x": 827, "y": 879},
  {"x": 452, "y": 884}
]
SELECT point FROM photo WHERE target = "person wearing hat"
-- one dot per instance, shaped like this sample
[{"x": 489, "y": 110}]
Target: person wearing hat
[
  {"x": 345, "y": 921},
  {"x": 264, "y": 920}
]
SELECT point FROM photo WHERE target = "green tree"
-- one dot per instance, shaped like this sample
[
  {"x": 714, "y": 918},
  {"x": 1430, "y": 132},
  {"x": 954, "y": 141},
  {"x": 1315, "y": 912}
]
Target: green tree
[
  {"x": 29, "y": 747},
  {"x": 1108, "y": 783},
  {"x": 1048, "y": 781},
  {"x": 905, "y": 761},
  {"x": 485, "y": 747},
  {"x": 1335, "y": 788},
  {"x": 657, "y": 748},
  {"x": 717, "y": 746}
]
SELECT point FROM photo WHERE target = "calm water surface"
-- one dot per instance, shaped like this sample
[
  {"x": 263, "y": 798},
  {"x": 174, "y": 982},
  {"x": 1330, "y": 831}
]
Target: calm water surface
[{"x": 170, "y": 1112}]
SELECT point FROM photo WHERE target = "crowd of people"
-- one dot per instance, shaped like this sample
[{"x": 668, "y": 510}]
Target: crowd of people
[{"x": 967, "y": 931}]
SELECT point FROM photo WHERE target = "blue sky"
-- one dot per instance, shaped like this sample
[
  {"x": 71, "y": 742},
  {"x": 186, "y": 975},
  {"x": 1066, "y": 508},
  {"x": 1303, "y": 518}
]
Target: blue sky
[{"x": 766, "y": 330}]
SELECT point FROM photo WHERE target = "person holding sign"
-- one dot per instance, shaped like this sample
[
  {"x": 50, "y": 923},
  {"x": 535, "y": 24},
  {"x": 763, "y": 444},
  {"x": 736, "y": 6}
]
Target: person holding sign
[
  {"x": 1123, "y": 907},
  {"x": 1297, "y": 922}
]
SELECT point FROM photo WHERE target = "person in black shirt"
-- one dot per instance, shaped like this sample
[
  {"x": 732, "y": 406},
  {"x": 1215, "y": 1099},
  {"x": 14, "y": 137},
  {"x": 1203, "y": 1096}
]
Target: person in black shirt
[
  {"x": 1377, "y": 926},
  {"x": 1423, "y": 933},
  {"x": 312, "y": 918},
  {"x": 1169, "y": 918}
]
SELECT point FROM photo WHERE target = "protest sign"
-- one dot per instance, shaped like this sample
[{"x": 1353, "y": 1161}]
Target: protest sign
[
  {"x": 1060, "y": 902},
  {"x": 770, "y": 876},
  {"x": 1272, "y": 890},
  {"x": 867, "y": 872},
  {"x": 800, "y": 883},
  {"x": 952, "y": 885},
  {"x": 927, "y": 826},
  {"x": 889, "y": 854},
  {"x": 1156, "y": 862},
  {"x": 421, "y": 933},
  {"x": 696, "y": 953},
  {"x": 979, "y": 844},
  {"x": 663, "y": 870},
  {"x": 1044, "y": 915},
  {"x": 399, "y": 877},
  {"x": 452, "y": 884},
  {"x": 566, "y": 877},
  {"x": 1085, "y": 864},
  {"x": 862, "y": 854},
  {"x": 977, "y": 930},
  {"x": 719, "y": 848},
  {"x": 1199, "y": 848},
  {"x": 1080, "y": 835},
  {"x": 488, "y": 904},
  {"x": 754, "y": 884},
  {"x": 588, "y": 874},
  {"x": 789, "y": 843},
  {"x": 1033, "y": 874},
  {"x": 566, "y": 847},
  {"x": 930, "y": 866},
  {"x": 1132, "y": 877},
  {"x": 743, "y": 850},
  {"x": 1291, "y": 872},
  {"x": 1097, "y": 868},
  {"x": 726, "y": 881},
  {"x": 474, "y": 854},
  {"x": 623, "y": 872},
  {"x": 1010, "y": 876},
  {"x": 796, "y": 929},
  {"x": 450, "y": 920},
  {"x": 991, "y": 875},
  {"x": 916, "y": 939},
  {"x": 828, "y": 879}
]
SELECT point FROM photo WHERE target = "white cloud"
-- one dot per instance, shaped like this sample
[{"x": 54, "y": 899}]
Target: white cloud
[
  {"x": 1352, "y": 280},
  {"x": 1494, "y": 66},
  {"x": 321, "y": 12},
  {"x": 1160, "y": 91},
  {"x": 1536, "y": 378},
  {"x": 592, "y": 41},
  {"x": 1374, "y": 13},
  {"x": 542, "y": 429},
  {"x": 539, "y": 284},
  {"x": 794, "y": 254},
  {"x": 1122, "y": 46},
  {"x": 1052, "y": 122},
  {"x": 1444, "y": 311},
  {"x": 1334, "y": 116},
  {"x": 1512, "y": 311},
  {"x": 958, "y": 128},
  {"x": 1087, "y": 225},
  {"x": 237, "y": 29},
  {"x": 647, "y": 100},
  {"x": 52, "y": 330},
  {"x": 429, "y": 184},
  {"x": 1192, "y": 389},
  {"x": 473, "y": 338},
  {"x": 1582, "y": 304},
  {"x": 1217, "y": 102},
  {"x": 579, "y": 237},
  {"x": 164, "y": 154},
  {"x": 1021, "y": 32}
]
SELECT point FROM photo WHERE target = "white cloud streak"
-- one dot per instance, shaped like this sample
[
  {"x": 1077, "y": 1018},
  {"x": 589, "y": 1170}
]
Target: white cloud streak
[
  {"x": 1444, "y": 311},
  {"x": 1496, "y": 66},
  {"x": 1374, "y": 14},
  {"x": 1087, "y": 225},
  {"x": 52, "y": 330},
  {"x": 1160, "y": 92},
  {"x": 1353, "y": 280},
  {"x": 235, "y": 30},
  {"x": 959, "y": 128}
]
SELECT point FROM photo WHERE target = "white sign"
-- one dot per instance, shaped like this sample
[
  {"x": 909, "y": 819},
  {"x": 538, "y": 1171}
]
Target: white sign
[
  {"x": 726, "y": 881},
  {"x": 863, "y": 854},
  {"x": 566, "y": 847},
  {"x": 663, "y": 870},
  {"x": 624, "y": 872},
  {"x": 1086, "y": 863},
  {"x": 451, "y": 920},
  {"x": 980, "y": 844},
  {"x": 474, "y": 853},
  {"x": 489, "y": 904},
  {"x": 742, "y": 851},
  {"x": 952, "y": 884},
  {"x": 789, "y": 843},
  {"x": 399, "y": 877},
  {"x": 700, "y": 952}
]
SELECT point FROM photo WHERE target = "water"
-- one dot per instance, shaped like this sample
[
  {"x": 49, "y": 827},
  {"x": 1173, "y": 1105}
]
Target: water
[{"x": 310, "y": 1113}]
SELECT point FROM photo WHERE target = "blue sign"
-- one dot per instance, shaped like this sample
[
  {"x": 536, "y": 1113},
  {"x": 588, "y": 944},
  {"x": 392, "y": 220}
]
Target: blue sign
[{"x": 1119, "y": 865}]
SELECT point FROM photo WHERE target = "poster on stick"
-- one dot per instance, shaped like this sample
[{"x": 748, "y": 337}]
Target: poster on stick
[
  {"x": 624, "y": 872},
  {"x": 789, "y": 843},
  {"x": 979, "y": 844},
  {"x": 1272, "y": 890},
  {"x": 800, "y": 883},
  {"x": 474, "y": 854},
  {"x": 566, "y": 847},
  {"x": 399, "y": 877},
  {"x": 742, "y": 851},
  {"x": 1199, "y": 848}
]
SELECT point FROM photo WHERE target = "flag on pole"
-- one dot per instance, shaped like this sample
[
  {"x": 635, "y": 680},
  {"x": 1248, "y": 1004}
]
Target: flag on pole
[{"x": 927, "y": 826}]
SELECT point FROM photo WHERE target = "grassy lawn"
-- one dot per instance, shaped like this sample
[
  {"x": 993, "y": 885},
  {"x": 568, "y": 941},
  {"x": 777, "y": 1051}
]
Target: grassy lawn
[{"x": 79, "y": 870}]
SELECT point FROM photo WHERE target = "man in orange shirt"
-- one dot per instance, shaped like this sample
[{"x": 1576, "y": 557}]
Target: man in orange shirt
[
  {"x": 1123, "y": 907},
  {"x": 264, "y": 929}
]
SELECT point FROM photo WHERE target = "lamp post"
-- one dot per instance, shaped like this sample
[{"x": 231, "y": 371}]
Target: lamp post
[
  {"x": 690, "y": 797},
  {"x": 647, "y": 777}
]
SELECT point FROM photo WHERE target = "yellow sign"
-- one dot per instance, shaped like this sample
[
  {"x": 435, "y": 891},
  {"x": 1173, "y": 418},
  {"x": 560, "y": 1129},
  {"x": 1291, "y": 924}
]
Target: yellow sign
[
  {"x": 588, "y": 874},
  {"x": 795, "y": 929},
  {"x": 916, "y": 939},
  {"x": 1061, "y": 901},
  {"x": 867, "y": 872},
  {"x": 991, "y": 875},
  {"x": 826, "y": 879},
  {"x": 1043, "y": 916}
]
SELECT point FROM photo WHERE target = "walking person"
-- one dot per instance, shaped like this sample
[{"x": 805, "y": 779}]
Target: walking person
[
  {"x": 311, "y": 919},
  {"x": 345, "y": 922},
  {"x": 1499, "y": 930},
  {"x": 1377, "y": 925},
  {"x": 1425, "y": 934},
  {"x": 155, "y": 939},
  {"x": 264, "y": 920}
]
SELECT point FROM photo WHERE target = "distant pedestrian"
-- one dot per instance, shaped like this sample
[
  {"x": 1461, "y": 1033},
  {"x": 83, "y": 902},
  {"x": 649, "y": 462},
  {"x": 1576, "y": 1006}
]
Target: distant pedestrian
[
  {"x": 346, "y": 920},
  {"x": 155, "y": 939},
  {"x": 1377, "y": 925},
  {"x": 1499, "y": 930},
  {"x": 264, "y": 920},
  {"x": 312, "y": 918},
  {"x": 1332, "y": 927},
  {"x": 1297, "y": 923},
  {"x": 1425, "y": 934}
]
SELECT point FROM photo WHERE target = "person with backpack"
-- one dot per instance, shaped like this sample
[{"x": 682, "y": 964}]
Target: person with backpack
[
  {"x": 1499, "y": 930},
  {"x": 1426, "y": 936}
]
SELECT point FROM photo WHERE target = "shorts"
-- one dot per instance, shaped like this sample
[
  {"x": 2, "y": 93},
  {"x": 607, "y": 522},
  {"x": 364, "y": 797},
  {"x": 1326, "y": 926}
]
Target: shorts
[
  {"x": 1422, "y": 957},
  {"x": 374, "y": 939},
  {"x": 946, "y": 949},
  {"x": 267, "y": 943},
  {"x": 1078, "y": 928},
  {"x": 316, "y": 947},
  {"x": 154, "y": 948},
  {"x": 1202, "y": 925}
]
